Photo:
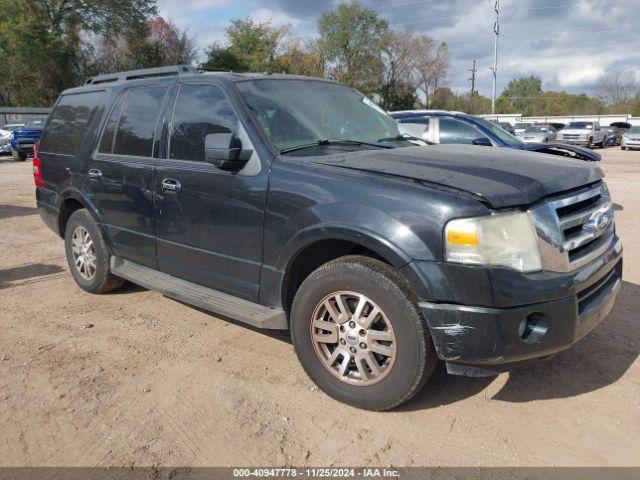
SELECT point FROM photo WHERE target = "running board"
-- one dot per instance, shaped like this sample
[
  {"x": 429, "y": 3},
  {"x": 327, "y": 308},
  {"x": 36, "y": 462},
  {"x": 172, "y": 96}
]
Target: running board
[{"x": 199, "y": 296}]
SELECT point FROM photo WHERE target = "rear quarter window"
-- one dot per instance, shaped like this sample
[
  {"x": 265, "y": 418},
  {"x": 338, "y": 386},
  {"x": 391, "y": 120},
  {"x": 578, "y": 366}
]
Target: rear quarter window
[{"x": 69, "y": 124}]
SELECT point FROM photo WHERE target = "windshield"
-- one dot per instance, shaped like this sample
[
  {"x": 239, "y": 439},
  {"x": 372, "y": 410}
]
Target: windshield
[
  {"x": 537, "y": 129},
  {"x": 503, "y": 135},
  {"x": 580, "y": 125},
  {"x": 36, "y": 122},
  {"x": 293, "y": 113},
  {"x": 634, "y": 130},
  {"x": 521, "y": 125}
]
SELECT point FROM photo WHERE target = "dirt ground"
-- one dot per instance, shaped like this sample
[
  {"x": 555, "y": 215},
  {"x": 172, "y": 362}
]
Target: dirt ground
[{"x": 134, "y": 378}]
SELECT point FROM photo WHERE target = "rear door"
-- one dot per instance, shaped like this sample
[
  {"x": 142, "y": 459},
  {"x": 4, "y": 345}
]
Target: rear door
[
  {"x": 209, "y": 224},
  {"x": 119, "y": 176}
]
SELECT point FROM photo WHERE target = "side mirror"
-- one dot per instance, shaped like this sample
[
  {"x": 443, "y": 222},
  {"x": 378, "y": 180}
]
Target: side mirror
[
  {"x": 483, "y": 141},
  {"x": 225, "y": 151}
]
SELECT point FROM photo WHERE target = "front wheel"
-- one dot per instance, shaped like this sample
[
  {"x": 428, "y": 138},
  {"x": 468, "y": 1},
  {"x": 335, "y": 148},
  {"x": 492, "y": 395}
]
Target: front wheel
[
  {"x": 359, "y": 334},
  {"x": 19, "y": 156}
]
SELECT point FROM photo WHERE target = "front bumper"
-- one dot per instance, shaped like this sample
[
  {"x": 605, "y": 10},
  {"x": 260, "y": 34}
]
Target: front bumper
[
  {"x": 496, "y": 339},
  {"x": 19, "y": 147},
  {"x": 584, "y": 143}
]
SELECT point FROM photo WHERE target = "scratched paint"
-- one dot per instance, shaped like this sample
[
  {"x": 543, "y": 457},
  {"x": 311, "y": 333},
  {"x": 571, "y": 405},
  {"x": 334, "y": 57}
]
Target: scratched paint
[{"x": 455, "y": 329}]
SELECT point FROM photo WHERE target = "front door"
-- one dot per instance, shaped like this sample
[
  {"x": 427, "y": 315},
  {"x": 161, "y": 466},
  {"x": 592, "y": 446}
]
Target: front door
[
  {"x": 209, "y": 221},
  {"x": 119, "y": 176}
]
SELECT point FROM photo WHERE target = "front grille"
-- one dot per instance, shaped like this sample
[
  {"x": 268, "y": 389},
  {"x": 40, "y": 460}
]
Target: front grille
[
  {"x": 571, "y": 136},
  {"x": 575, "y": 229}
]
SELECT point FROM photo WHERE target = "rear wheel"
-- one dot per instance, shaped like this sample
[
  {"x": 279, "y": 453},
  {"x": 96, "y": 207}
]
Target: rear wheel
[
  {"x": 87, "y": 254},
  {"x": 359, "y": 334}
]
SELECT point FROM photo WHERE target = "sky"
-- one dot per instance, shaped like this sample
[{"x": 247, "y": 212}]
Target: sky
[{"x": 569, "y": 43}]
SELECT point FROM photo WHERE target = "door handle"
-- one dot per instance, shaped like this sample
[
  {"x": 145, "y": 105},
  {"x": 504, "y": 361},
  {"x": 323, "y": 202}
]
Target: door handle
[
  {"x": 171, "y": 186},
  {"x": 95, "y": 174}
]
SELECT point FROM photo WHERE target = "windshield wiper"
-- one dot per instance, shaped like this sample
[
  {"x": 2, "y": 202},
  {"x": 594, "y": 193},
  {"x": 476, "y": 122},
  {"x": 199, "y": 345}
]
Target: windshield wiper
[
  {"x": 332, "y": 141},
  {"x": 407, "y": 138}
]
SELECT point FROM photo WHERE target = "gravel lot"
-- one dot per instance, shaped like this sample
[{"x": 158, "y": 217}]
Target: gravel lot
[{"x": 134, "y": 378}]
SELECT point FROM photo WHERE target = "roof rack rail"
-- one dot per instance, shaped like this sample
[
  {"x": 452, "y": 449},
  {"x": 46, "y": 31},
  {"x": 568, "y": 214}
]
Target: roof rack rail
[{"x": 174, "y": 70}]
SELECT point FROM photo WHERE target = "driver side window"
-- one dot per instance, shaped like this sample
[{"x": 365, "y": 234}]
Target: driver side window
[{"x": 455, "y": 131}]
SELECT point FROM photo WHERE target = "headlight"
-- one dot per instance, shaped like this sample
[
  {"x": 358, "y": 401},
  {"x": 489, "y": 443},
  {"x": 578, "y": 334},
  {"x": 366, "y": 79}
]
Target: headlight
[{"x": 507, "y": 240}]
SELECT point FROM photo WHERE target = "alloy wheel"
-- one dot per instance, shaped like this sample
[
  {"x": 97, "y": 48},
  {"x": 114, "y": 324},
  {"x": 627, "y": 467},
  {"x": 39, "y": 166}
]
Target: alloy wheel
[
  {"x": 84, "y": 254},
  {"x": 353, "y": 338}
]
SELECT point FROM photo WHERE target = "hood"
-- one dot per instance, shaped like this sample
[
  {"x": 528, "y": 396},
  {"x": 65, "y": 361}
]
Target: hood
[
  {"x": 571, "y": 151},
  {"x": 499, "y": 176},
  {"x": 27, "y": 132}
]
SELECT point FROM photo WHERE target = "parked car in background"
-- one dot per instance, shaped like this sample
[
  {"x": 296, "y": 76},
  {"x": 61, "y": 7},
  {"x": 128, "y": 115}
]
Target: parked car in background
[
  {"x": 519, "y": 128},
  {"x": 539, "y": 134},
  {"x": 613, "y": 136},
  {"x": 24, "y": 138},
  {"x": 624, "y": 127},
  {"x": 631, "y": 139},
  {"x": 438, "y": 126},
  {"x": 295, "y": 203},
  {"x": 6, "y": 134},
  {"x": 508, "y": 127},
  {"x": 588, "y": 134}
]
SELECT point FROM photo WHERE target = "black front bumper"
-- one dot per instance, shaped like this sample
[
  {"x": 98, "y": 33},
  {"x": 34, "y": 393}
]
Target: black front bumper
[{"x": 496, "y": 339}]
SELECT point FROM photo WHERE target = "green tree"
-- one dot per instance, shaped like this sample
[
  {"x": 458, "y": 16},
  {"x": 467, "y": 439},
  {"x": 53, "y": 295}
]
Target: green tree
[
  {"x": 519, "y": 95},
  {"x": 252, "y": 46},
  {"x": 47, "y": 45},
  {"x": 352, "y": 39}
]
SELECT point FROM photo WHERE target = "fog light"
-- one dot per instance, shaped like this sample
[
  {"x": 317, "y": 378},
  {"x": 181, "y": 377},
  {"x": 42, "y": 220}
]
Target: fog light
[{"x": 534, "y": 327}]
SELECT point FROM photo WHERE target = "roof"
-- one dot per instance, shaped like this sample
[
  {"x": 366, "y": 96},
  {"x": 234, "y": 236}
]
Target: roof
[{"x": 182, "y": 71}]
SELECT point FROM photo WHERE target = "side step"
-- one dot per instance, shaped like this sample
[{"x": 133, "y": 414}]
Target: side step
[{"x": 199, "y": 296}]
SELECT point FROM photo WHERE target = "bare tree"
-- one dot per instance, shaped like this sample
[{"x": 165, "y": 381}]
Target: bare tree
[
  {"x": 616, "y": 89},
  {"x": 433, "y": 67},
  {"x": 401, "y": 57}
]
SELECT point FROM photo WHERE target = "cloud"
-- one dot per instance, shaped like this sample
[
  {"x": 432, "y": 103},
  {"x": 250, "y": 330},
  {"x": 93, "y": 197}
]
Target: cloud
[{"x": 569, "y": 43}]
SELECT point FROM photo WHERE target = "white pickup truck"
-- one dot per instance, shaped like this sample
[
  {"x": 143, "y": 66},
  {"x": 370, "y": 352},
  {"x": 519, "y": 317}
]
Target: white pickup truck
[{"x": 583, "y": 133}]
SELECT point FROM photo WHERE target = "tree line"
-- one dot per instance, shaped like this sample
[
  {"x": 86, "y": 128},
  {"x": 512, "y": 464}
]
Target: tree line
[{"x": 49, "y": 45}]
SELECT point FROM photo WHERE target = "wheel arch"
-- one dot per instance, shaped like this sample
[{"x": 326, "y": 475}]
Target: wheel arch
[
  {"x": 315, "y": 247},
  {"x": 70, "y": 201}
]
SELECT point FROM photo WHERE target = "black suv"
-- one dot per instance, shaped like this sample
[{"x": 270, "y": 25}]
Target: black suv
[{"x": 295, "y": 203}]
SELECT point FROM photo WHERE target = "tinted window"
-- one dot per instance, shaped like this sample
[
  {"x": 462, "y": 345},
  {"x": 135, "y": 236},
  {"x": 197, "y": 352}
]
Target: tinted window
[
  {"x": 67, "y": 129},
  {"x": 455, "y": 131},
  {"x": 138, "y": 121},
  {"x": 199, "y": 111},
  {"x": 106, "y": 144}
]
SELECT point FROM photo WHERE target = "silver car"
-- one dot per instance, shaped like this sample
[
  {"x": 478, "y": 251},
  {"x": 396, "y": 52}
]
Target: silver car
[
  {"x": 519, "y": 128},
  {"x": 631, "y": 139},
  {"x": 539, "y": 134}
]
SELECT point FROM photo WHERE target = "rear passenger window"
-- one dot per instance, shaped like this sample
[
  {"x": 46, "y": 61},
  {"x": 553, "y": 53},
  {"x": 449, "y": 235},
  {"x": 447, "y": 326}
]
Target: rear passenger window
[
  {"x": 199, "y": 111},
  {"x": 67, "y": 129},
  {"x": 106, "y": 144},
  {"x": 134, "y": 119}
]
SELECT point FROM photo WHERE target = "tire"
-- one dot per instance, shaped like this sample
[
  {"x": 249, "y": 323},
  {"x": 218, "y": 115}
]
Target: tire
[
  {"x": 393, "y": 378},
  {"x": 590, "y": 143},
  {"x": 95, "y": 277},
  {"x": 19, "y": 157}
]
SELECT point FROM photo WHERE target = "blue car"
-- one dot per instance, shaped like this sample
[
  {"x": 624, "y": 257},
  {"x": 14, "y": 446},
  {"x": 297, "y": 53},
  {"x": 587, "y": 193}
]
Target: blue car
[
  {"x": 459, "y": 128},
  {"x": 26, "y": 137}
]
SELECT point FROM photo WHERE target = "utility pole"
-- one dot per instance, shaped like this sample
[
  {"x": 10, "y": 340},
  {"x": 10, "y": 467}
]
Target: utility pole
[
  {"x": 473, "y": 71},
  {"x": 496, "y": 30}
]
